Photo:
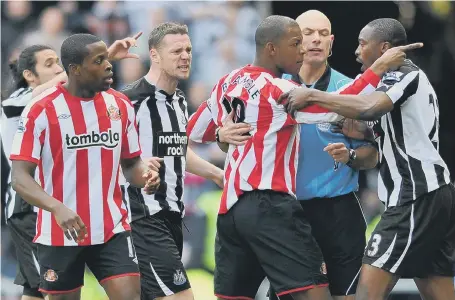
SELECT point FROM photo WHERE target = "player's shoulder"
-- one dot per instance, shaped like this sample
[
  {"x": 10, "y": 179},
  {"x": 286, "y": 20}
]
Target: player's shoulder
[
  {"x": 179, "y": 93},
  {"x": 118, "y": 94},
  {"x": 408, "y": 67},
  {"x": 395, "y": 76},
  {"x": 16, "y": 102},
  {"x": 138, "y": 90},
  {"x": 18, "y": 97},
  {"x": 43, "y": 100},
  {"x": 281, "y": 83}
]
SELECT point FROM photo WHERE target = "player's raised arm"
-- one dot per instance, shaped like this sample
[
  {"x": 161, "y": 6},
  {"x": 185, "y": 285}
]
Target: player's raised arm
[{"x": 362, "y": 107}]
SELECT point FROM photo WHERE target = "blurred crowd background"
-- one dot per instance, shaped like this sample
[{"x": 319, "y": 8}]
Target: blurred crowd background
[{"x": 222, "y": 34}]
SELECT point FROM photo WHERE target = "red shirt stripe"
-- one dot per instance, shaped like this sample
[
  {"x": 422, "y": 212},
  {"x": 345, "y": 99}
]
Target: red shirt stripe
[
  {"x": 60, "y": 130},
  {"x": 274, "y": 131}
]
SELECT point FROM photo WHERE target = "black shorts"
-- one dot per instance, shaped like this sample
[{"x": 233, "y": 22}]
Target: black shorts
[
  {"x": 63, "y": 267},
  {"x": 158, "y": 240},
  {"x": 339, "y": 226},
  {"x": 417, "y": 239},
  {"x": 23, "y": 227},
  {"x": 266, "y": 234}
]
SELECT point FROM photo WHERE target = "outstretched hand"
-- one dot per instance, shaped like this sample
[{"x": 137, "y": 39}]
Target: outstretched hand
[
  {"x": 119, "y": 49},
  {"x": 394, "y": 57},
  {"x": 295, "y": 99}
]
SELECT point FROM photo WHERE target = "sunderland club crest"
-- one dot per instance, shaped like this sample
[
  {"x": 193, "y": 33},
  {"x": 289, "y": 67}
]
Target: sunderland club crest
[
  {"x": 50, "y": 275},
  {"x": 113, "y": 113}
]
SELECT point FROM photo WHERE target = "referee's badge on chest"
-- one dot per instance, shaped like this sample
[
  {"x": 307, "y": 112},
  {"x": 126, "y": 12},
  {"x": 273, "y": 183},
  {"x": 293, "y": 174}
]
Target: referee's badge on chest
[{"x": 324, "y": 126}]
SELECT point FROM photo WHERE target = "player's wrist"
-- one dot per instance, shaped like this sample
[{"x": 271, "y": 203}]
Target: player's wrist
[
  {"x": 219, "y": 134},
  {"x": 351, "y": 158},
  {"x": 55, "y": 206},
  {"x": 378, "y": 68}
]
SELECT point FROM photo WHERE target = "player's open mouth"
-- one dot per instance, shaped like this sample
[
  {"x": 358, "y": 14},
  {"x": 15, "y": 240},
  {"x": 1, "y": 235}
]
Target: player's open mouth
[
  {"x": 109, "y": 79},
  {"x": 184, "y": 68}
]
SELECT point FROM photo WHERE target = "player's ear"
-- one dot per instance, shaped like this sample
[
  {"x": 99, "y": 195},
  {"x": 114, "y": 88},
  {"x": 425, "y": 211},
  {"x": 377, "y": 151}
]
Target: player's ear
[
  {"x": 154, "y": 55},
  {"x": 385, "y": 46},
  {"x": 75, "y": 69},
  {"x": 28, "y": 75},
  {"x": 271, "y": 49}
]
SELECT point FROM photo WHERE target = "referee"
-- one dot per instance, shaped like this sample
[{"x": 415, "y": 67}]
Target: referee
[
  {"x": 327, "y": 191},
  {"x": 162, "y": 116},
  {"x": 415, "y": 237}
]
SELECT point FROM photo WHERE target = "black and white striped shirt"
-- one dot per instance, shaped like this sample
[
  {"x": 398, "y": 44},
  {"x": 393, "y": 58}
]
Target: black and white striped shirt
[
  {"x": 410, "y": 164},
  {"x": 162, "y": 120},
  {"x": 10, "y": 121}
]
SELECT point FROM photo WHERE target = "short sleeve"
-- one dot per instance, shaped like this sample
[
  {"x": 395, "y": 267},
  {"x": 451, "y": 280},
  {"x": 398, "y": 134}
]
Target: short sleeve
[
  {"x": 201, "y": 127},
  {"x": 29, "y": 138},
  {"x": 130, "y": 142},
  {"x": 400, "y": 86}
]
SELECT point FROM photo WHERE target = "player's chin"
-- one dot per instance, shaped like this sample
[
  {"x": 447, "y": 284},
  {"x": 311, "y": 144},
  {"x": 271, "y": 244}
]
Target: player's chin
[
  {"x": 183, "y": 75},
  {"x": 104, "y": 86}
]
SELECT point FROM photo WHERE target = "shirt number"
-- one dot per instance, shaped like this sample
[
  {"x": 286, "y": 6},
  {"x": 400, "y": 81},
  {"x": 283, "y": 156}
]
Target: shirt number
[
  {"x": 238, "y": 106},
  {"x": 376, "y": 240}
]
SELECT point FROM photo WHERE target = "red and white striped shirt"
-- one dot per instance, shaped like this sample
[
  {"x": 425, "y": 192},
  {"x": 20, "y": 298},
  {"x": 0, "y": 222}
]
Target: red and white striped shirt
[
  {"x": 78, "y": 144},
  {"x": 269, "y": 159}
]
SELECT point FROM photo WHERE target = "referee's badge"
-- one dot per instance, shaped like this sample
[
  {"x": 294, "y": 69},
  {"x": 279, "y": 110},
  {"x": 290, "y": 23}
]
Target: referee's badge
[
  {"x": 324, "y": 126},
  {"x": 113, "y": 113}
]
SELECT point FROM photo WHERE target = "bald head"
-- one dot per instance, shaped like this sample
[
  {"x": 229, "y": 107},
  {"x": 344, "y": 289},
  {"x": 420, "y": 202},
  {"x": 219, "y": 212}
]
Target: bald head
[
  {"x": 314, "y": 19},
  {"x": 317, "y": 37},
  {"x": 272, "y": 29}
]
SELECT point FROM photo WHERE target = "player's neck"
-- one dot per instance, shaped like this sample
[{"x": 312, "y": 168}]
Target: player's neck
[
  {"x": 269, "y": 65},
  {"x": 78, "y": 91},
  {"x": 161, "y": 80},
  {"x": 309, "y": 74}
]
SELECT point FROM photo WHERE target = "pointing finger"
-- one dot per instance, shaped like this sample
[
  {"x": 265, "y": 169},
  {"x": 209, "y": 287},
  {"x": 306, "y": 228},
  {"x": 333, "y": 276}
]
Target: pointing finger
[
  {"x": 411, "y": 46},
  {"x": 137, "y": 35}
]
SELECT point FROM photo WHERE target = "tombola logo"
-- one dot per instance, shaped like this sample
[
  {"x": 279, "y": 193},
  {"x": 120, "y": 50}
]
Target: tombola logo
[{"x": 106, "y": 139}]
